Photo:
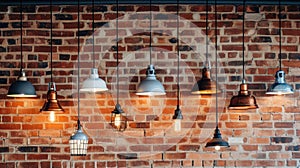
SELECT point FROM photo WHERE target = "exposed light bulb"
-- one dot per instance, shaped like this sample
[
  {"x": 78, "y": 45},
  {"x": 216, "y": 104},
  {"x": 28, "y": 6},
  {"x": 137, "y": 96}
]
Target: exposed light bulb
[
  {"x": 217, "y": 148},
  {"x": 52, "y": 116},
  {"x": 177, "y": 125},
  {"x": 118, "y": 120}
]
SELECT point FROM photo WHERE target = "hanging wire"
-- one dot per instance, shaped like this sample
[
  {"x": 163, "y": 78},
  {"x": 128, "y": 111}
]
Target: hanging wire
[
  {"x": 21, "y": 29},
  {"x": 78, "y": 57},
  {"x": 243, "y": 37},
  {"x": 206, "y": 33},
  {"x": 51, "y": 40},
  {"x": 279, "y": 16},
  {"x": 150, "y": 36},
  {"x": 117, "y": 48},
  {"x": 178, "y": 55},
  {"x": 93, "y": 31},
  {"x": 216, "y": 54}
]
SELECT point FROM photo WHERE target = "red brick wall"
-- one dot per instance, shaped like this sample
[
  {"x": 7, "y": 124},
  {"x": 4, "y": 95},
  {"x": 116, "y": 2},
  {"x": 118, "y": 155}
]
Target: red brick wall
[{"x": 267, "y": 136}]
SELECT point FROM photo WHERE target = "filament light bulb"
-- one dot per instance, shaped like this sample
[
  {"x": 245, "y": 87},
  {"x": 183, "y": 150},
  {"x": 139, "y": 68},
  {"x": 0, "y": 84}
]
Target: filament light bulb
[
  {"x": 52, "y": 116},
  {"x": 177, "y": 125}
]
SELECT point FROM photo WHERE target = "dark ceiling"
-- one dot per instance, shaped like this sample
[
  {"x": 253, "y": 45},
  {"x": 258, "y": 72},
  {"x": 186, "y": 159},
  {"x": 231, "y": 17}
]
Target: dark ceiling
[{"x": 83, "y": 2}]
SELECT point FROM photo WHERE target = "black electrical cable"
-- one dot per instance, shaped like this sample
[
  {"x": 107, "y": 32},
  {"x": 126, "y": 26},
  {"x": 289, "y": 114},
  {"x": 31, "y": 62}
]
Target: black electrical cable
[{"x": 216, "y": 54}]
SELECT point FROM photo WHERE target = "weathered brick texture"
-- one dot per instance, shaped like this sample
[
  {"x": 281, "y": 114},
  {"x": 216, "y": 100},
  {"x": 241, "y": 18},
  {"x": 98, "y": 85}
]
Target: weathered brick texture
[{"x": 266, "y": 137}]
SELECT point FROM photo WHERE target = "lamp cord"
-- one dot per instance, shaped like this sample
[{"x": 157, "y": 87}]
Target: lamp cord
[
  {"x": 243, "y": 37},
  {"x": 178, "y": 56},
  {"x": 51, "y": 40},
  {"x": 21, "y": 29},
  {"x": 279, "y": 33},
  {"x": 216, "y": 54},
  {"x": 206, "y": 33},
  {"x": 117, "y": 48},
  {"x": 93, "y": 31},
  {"x": 150, "y": 36},
  {"x": 78, "y": 57}
]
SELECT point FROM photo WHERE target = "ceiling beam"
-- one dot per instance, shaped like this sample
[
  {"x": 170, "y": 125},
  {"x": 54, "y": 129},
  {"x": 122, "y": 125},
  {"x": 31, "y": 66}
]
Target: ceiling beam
[{"x": 85, "y": 2}]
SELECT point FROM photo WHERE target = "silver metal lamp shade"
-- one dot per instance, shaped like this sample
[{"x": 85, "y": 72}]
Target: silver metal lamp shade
[
  {"x": 21, "y": 87},
  {"x": 94, "y": 83},
  {"x": 52, "y": 104},
  {"x": 150, "y": 86},
  {"x": 78, "y": 142},
  {"x": 280, "y": 87},
  {"x": 217, "y": 142}
]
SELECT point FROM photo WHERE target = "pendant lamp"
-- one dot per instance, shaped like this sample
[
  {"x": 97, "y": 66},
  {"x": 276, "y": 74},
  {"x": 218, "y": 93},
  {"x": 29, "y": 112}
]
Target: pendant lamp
[
  {"x": 177, "y": 117},
  {"x": 21, "y": 87},
  {"x": 243, "y": 100},
  {"x": 150, "y": 86},
  {"x": 280, "y": 86},
  {"x": 93, "y": 83},
  {"x": 205, "y": 85},
  {"x": 79, "y": 140},
  {"x": 217, "y": 141},
  {"x": 118, "y": 119},
  {"x": 52, "y": 104}
]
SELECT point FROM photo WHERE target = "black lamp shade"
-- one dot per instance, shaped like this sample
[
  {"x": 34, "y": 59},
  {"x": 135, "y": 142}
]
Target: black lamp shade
[
  {"x": 217, "y": 142},
  {"x": 21, "y": 87}
]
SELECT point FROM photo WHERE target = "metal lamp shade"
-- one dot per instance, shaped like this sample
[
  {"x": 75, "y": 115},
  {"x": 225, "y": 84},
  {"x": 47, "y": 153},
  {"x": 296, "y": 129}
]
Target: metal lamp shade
[
  {"x": 217, "y": 142},
  {"x": 52, "y": 104},
  {"x": 21, "y": 87},
  {"x": 243, "y": 100},
  {"x": 280, "y": 87},
  {"x": 78, "y": 143},
  {"x": 94, "y": 83},
  {"x": 205, "y": 85},
  {"x": 150, "y": 86},
  {"x": 118, "y": 120}
]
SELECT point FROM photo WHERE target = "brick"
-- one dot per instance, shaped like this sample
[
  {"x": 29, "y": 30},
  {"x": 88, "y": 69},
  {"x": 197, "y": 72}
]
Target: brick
[{"x": 28, "y": 149}]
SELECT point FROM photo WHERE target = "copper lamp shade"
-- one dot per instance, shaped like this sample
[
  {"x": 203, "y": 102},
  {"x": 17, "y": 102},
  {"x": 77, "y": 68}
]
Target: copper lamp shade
[
  {"x": 52, "y": 104},
  {"x": 205, "y": 85},
  {"x": 243, "y": 100}
]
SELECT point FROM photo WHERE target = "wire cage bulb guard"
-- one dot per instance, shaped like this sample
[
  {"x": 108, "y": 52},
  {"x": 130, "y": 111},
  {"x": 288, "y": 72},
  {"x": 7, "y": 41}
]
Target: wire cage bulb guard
[
  {"x": 21, "y": 87},
  {"x": 150, "y": 86},
  {"x": 118, "y": 120},
  {"x": 94, "y": 83},
  {"x": 78, "y": 142},
  {"x": 280, "y": 86}
]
